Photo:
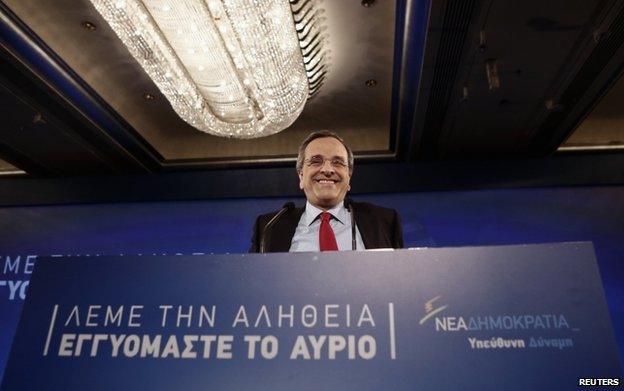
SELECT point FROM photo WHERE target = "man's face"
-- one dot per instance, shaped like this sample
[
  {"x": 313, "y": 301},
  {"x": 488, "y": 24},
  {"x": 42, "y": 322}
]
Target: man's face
[{"x": 325, "y": 184}]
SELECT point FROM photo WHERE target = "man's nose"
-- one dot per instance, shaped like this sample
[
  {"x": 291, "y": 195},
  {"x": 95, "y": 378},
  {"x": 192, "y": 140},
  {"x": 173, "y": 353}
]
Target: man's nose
[{"x": 327, "y": 166}]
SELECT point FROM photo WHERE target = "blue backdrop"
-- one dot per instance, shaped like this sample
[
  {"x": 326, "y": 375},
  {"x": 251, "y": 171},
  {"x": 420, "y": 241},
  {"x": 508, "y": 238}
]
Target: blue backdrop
[{"x": 455, "y": 218}]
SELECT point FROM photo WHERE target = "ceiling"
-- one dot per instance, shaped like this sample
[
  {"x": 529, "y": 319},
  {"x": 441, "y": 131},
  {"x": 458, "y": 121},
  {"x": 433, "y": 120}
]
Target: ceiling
[
  {"x": 453, "y": 80},
  {"x": 603, "y": 129},
  {"x": 6, "y": 167},
  {"x": 344, "y": 103}
]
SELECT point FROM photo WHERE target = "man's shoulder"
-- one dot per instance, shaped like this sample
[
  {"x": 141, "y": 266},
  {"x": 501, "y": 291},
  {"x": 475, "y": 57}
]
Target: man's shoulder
[
  {"x": 281, "y": 231},
  {"x": 380, "y": 226},
  {"x": 367, "y": 207},
  {"x": 359, "y": 208},
  {"x": 266, "y": 217}
]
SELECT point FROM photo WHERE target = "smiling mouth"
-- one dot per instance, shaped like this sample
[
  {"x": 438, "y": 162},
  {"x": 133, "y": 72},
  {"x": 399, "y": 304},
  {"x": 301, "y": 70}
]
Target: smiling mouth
[{"x": 326, "y": 181}]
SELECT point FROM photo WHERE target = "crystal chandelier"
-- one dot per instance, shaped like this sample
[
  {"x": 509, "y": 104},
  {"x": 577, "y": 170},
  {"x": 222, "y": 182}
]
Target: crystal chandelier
[{"x": 233, "y": 68}]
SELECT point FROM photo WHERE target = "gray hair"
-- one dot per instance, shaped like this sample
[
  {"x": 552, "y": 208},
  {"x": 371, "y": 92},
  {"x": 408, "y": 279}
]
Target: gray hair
[{"x": 322, "y": 134}]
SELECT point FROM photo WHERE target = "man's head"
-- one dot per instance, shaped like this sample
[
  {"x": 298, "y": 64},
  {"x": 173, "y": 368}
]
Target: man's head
[{"x": 324, "y": 166}]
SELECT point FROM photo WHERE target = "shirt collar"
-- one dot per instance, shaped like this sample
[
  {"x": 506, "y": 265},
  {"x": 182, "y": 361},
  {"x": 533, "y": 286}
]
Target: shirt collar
[{"x": 339, "y": 212}]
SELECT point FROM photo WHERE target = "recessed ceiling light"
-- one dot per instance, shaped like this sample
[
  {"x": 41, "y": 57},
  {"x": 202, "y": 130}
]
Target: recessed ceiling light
[{"x": 88, "y": 25}]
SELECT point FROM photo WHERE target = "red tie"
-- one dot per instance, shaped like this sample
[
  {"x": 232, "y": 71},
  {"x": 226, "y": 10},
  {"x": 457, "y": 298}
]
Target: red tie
[{"x": 327, "y": 239}]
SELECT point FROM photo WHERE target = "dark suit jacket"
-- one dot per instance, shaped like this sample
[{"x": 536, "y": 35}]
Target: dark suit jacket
[{"x": 379, "y": 227}]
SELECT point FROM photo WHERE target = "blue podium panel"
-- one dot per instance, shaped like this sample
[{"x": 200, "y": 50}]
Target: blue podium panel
[{"x": 514, "y": 318}]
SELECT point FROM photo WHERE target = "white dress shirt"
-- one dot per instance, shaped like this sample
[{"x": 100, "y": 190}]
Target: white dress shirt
[{"x": 306, "y": 237}]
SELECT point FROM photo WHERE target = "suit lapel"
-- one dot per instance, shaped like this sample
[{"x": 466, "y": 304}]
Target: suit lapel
[
  {"x": 366, "y": 226},
  {"x": 284, "y": 230},
  {"x": 369, "y": 225}
]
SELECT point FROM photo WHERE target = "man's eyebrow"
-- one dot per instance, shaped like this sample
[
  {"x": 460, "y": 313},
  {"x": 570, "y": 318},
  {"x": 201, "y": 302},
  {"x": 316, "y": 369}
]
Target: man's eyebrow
[{"x": 333, "y": 157}]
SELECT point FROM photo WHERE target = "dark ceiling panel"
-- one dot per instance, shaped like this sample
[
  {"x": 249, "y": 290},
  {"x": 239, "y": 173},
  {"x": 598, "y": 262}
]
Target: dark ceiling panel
[
  {"x": 604, "y": 126},
  {"x": 66, "y": 137},
  {"x": 40, "y": 145},
  {"x": 605, "y": 63},
  {"x": 449, "y": 27},
  {"x": 547, "y": 56}
]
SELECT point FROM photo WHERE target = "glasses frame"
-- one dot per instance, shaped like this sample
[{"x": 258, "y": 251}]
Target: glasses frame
[{"x": 336, "y": 163}]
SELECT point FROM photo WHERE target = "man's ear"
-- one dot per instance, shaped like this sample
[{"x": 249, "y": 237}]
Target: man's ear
[{"x": 300, "y": 175}]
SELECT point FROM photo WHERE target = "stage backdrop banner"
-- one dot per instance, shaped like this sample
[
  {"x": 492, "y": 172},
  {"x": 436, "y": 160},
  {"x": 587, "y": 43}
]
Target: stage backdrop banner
[{"x": 510, "y": 317}]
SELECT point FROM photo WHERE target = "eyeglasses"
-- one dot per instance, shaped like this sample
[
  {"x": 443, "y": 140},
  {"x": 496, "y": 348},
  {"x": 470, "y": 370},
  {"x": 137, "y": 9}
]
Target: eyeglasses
[{"x": 317, "y": 161}]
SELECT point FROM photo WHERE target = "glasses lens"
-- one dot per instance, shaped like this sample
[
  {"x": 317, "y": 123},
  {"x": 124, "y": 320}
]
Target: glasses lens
[
  {"x": 318, "y": 161},
  {"x": 338, "y": 163},
  {"x": 315, "y": 161}
]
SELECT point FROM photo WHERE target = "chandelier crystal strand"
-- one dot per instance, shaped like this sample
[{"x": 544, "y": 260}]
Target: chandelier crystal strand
[
  {"x": 313, "y": 41},
  {"x": 231, "y": 68}
]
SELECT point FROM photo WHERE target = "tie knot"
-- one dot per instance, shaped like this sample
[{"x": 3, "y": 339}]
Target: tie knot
[{"x": 325, "y": 216}]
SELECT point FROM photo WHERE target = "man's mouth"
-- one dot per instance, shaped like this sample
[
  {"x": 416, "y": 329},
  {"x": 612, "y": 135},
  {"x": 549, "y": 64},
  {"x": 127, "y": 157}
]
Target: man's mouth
[{"x": 326, "y": 181}]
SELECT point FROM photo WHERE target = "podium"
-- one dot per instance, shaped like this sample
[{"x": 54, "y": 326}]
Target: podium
[{"x": 526, "y": 317}]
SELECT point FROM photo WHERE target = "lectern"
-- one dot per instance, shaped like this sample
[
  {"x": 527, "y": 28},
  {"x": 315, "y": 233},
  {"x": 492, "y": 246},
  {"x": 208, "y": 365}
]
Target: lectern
[{"x": 526, "y": 317}]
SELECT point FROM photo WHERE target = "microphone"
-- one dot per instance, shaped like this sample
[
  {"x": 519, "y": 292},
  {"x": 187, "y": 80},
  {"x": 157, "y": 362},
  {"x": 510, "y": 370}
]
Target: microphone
[
  {"x": 348, "y": 204},
  {"x": 287, "y": 206}
]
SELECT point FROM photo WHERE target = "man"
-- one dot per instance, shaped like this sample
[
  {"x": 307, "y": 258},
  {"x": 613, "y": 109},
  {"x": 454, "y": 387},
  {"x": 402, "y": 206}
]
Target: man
[{"x": 325, "y": 166}]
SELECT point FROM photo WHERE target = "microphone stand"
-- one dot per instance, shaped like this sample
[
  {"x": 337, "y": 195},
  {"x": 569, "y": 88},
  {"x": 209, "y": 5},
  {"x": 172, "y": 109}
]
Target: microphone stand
[{"x": 349, "y": 206}]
